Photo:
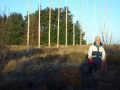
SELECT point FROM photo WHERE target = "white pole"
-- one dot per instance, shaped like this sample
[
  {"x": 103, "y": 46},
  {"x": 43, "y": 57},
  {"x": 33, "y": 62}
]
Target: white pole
[
  {"x": 73, "y": 34},
  {"x": 109, "y": 22},
  {"x": 58, "y": 23},
  {"x": 28, "y": 25},
  {"x": 39, "y": 25},
  {"x": 93, "y": 22},
  {"x": 74, "y": 22},
  {"x": 104, "y": 21},
  {"x": 81, "y": 24},
  {"x": 99, "y": 20},
  {"x": 49, "y": 23},
  {"x": 87, "y": 23},
  {"x": 66, "y": 20}
]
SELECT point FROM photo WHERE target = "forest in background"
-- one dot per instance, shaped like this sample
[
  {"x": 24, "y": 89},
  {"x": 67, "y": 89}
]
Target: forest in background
[{"x": 13, "y": 28}]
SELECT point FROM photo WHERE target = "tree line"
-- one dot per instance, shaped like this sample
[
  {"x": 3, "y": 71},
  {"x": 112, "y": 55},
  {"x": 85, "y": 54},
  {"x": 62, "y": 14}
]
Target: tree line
[{"x": 13, "y": 28}]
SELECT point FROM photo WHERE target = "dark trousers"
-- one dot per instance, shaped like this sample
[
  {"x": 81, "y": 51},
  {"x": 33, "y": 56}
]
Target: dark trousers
[{"x": 93, "y": 68}]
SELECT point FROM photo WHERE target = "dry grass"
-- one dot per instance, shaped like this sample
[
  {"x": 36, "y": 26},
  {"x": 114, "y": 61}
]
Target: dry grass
[
  {"x": 113, "y": 54},
  {"x": 55, "y": 69}
]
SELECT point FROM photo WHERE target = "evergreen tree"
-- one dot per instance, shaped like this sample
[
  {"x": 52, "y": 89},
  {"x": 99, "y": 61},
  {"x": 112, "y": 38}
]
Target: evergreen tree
[
  {"x": 14, "y": 28},
  {"x": 54, "y": 25}
]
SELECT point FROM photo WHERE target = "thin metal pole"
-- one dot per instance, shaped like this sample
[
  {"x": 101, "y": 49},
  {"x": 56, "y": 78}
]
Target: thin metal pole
[
  {"x": 39, "y": 25},
  {"x": 93, "y": 21},
  {"x": 28, "y": 25},
  {"x": 104, "y": 21},
  {"x": 81, "y": 25},
  {"x": 49, "y": 23},
  {"x": 99, "y": 20},
  {"x": 58, "y": 23},
  {"x": 66, "y": 20},
  {"x": 87, "y": 23},
  {"x": 73, "y": 34},
  {"x": 74, "y": 22},
  {"x": 109, "y": 22}
]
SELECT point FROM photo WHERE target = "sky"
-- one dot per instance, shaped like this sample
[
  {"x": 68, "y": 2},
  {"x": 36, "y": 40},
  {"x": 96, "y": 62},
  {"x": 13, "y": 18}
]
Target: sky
[{"x": 112, "y": 25}]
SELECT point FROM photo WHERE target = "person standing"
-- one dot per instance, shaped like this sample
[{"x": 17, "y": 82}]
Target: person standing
[{"x": 96, "y": 55}]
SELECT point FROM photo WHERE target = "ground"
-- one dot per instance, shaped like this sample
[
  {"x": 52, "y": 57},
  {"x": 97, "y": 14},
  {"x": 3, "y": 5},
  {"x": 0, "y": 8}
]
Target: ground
[{"x": 64, "y": 68}]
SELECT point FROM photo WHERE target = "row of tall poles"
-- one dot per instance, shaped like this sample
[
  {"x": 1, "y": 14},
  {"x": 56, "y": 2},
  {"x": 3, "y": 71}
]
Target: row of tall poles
[
  {"x": 74, "y": 17},
  {"x": 108, "y": 37},
  {"x": 50, "y": 24}
]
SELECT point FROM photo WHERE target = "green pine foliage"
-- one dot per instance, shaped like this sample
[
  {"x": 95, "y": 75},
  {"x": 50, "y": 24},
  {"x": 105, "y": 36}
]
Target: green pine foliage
[
  {"x": 13, "y": 28},
  {"x": 54, "y": 27}
]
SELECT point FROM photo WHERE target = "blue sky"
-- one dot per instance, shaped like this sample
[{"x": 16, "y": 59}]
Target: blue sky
[{"x": 21, "y": 6}]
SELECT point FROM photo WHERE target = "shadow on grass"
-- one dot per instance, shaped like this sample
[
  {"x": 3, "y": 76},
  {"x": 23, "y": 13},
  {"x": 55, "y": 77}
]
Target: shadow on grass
[{"x": 59, "y": 72}]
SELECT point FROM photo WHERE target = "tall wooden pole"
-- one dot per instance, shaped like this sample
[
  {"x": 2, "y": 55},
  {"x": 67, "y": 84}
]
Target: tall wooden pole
[
  {"x": 74, "y": 22},
  {"x": 93, "y": 22},
  {"x": 49, "y": 24},
  {"x": 87, "y": 23},
  {"x": 58, "y": 23},
  {"x": 28, "y": 25},
  {"x": 109, "y": 22},
  {"x": 99, "y": 20},
  {"x": 39, "y": 25},
  {"x": 104, "y": 22},
  {"x": 81, "y": 25},
  {"x": 66, "y": 21}
]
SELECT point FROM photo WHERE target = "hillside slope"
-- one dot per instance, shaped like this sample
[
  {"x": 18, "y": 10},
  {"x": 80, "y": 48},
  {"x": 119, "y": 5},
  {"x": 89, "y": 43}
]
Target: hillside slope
[{"x": 57, "y": 69}]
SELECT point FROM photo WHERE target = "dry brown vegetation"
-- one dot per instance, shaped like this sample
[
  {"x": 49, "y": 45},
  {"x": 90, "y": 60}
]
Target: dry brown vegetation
[{"x": 64, "y": 68}]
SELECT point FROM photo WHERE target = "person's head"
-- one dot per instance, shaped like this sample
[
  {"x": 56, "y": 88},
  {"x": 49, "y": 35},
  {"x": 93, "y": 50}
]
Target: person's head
[{"x": 97, "y": 40}]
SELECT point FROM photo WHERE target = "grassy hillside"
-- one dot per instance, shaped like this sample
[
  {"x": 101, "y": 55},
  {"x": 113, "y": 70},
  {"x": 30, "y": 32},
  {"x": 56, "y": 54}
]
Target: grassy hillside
[{"x": 64, "y": 68}]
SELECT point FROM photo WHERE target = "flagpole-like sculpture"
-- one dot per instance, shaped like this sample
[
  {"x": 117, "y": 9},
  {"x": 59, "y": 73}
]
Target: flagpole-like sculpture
[
  {"x": 39, "y": 25},
  {"x": 66, "y": 21},
  {"x": 93, "y": 22},
  {"x": 58, "y": 23},
  {"x": 87, "y": 23},
  {"x": 81, "y": 25},
  {"x": 49, "y": 24},
  {"x": 74, "y": 17},
  {"x": 109, "y": 22},
  {"x": 104, "y": 34},
  {"x": 28, "y": 25},
  {"x": 99, "y": 20}
]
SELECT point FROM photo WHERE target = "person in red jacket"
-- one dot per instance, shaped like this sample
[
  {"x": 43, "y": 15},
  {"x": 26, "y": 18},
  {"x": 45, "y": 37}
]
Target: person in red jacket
[{"x": 96, "y": 55}]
